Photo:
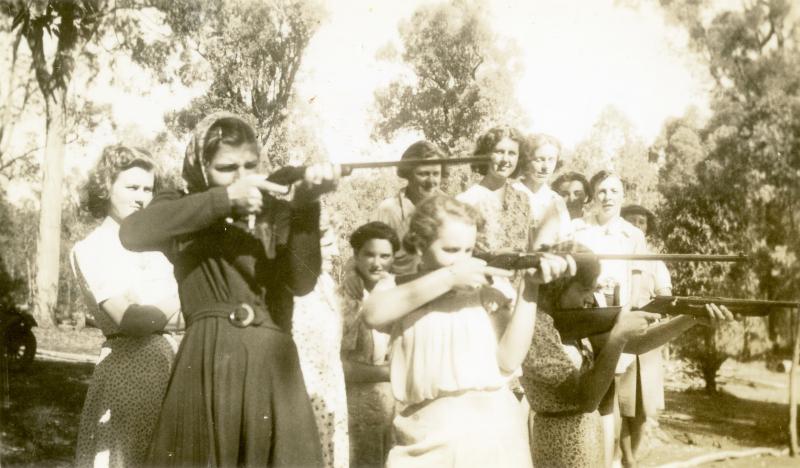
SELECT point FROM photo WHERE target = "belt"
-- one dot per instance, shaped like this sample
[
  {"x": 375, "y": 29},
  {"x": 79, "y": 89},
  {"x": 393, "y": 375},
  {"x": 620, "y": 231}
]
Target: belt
[
  {"x": 239, "y": 315},
  {"x": 112, "y": 336},
  {"x": 559, "y": 414}
]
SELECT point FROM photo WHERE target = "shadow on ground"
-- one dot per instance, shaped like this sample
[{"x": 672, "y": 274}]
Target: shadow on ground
[
  {"x": 695, "y": 416},
  {"x": 41, "y": 425}
]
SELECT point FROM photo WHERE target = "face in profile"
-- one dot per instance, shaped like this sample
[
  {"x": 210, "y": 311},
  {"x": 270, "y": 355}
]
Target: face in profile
[
  {"x": 131, "y": 191},
  {"x": 425, "y": 180},
  {"x": 574, "y": 195},
  {"x": 542, "y": 164},
  {"x": 638, "y": 220},
  {"x": 609, "y": 194},
  {"x": 454, "y": 243},
  {"x": 504, "y": 158},
  {"x": 374, "y": 260},
  {"x": 577, "y": 295},
  {"x": 231, "y": 163}
]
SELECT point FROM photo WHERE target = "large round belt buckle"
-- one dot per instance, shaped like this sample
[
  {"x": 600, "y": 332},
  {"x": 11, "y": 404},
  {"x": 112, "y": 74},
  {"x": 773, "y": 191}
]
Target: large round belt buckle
[{"x": 242, "y": 316}]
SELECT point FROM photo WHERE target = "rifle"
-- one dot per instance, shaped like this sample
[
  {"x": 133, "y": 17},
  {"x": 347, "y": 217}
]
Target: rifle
[
  {"x": 526, "y": 260},
  {"x": 583, "y": 322},
  {"x": 290, "y": 174}
]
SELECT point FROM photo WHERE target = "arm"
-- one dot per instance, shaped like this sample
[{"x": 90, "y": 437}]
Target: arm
[
  {"x": 661, "y": 334},
  {"x": 516, "y": 339},
  {"x": 593, "y": 384},
  {"x": 384, "y": 307},
  {"x": 355, "y": 371},
  {"x": 170, "y": 215}
]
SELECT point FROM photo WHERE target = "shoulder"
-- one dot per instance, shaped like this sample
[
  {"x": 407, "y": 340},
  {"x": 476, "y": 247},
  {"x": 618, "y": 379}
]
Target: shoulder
[
  {"x": 630, "y": 230},
  {"x": 472, "y": 195},
  {"x": 99, "y": 242}
]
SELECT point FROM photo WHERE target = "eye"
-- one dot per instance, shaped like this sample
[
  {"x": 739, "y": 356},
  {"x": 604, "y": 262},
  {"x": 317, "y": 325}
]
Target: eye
[
  {"x": 251, "y": 165},
  {"x": 451, "y": 249},
  {"x": 226, "y": 167}
]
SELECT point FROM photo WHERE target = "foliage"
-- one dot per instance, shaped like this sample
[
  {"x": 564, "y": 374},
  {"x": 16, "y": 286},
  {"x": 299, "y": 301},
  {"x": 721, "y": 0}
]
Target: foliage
[
  {"x": 614, "y": 144},
  {"x": 249, "y": 51},
  {"x": 732, "y": 186},
  {"x": 462, "y": 82}
]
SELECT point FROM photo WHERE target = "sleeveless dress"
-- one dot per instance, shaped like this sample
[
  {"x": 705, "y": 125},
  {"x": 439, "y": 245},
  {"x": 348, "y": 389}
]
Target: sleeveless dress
[
  {"x": 457, "y": 409},
  {"x": 131, "y": 376}
]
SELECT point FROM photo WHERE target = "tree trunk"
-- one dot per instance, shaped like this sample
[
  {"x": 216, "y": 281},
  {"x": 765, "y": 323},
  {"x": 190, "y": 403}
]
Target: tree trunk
[
  {"x": 793, "y": 449},
  {"x": 49, "y": 240}
]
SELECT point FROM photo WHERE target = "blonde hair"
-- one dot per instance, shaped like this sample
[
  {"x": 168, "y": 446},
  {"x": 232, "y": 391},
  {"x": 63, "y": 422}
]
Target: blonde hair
[{"x": 430, "y": 215}]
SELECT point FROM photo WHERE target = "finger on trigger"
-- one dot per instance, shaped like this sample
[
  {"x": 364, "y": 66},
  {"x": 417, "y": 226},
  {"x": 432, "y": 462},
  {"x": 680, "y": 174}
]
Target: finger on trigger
[
  {"x": 573, "y": 267},
  {"x": 494, "y": 271},
  {"x": 266, "y": 186}
]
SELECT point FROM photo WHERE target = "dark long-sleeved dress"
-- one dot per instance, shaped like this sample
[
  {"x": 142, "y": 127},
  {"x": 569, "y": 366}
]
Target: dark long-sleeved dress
[{"x": 236, "y": 397}]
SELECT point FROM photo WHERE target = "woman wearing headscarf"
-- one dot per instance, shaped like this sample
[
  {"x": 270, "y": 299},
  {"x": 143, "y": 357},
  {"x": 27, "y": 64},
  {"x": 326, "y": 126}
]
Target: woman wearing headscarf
[{"x": 237, "y": 395}]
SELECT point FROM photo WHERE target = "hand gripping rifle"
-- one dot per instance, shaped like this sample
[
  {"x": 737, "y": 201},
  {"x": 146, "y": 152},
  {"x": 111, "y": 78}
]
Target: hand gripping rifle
[
  {"x": 290, "y": 174},
  {"x": 526, "y": 260},
  {"x": 580, "y": 323}
]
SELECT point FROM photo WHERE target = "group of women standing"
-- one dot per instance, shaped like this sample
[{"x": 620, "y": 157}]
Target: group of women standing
[{"x": 439, "y": 366}]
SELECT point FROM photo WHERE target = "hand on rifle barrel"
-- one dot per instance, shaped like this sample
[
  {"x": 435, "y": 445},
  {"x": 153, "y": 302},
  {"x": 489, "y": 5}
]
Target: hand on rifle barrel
[
  {"x": 632, "y": 323},
  {"x": 715, "y": 315},
  {"x": 551, "y": 267}
]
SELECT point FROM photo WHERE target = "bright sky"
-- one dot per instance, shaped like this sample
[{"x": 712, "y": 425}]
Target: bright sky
[{"x": 579, "y": 56}]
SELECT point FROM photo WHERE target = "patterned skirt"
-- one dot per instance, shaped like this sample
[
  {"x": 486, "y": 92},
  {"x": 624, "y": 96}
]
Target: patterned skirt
[
  {"x": 568, "y": 441},
  {"x": 123, "y": 401}
]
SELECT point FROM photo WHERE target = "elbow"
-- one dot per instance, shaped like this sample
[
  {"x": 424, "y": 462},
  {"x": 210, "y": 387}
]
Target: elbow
[{"x": 129, "y": 237}]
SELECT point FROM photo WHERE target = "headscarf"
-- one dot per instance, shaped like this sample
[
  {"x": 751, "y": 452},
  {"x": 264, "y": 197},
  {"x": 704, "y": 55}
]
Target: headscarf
[
  {"x": 194, "y": 167},
  {"x": 272, "y": 227}
]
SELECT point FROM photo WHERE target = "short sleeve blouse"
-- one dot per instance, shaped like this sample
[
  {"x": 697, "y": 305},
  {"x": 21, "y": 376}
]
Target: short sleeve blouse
[
  {"x": 448, "y": 345},
  {"x": 550, "y": 220},
  {"x": 106, "y": 269},
  {"x": 368, "y": 346},
  {"x": 396, "y": 212}
]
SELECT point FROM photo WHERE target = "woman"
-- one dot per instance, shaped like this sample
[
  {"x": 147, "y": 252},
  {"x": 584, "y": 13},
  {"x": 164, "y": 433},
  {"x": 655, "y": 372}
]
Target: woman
[
  {"x": 132, "y": 296},
  {"x": 365, "y": 352},
  {"x": 396, "y": 211},
  {"x": 237, "y": 395},
  {"x": 550, "y": 220},
  {"x": 641, "y": 387},
  {"x": 574, "y": 189},
  {"x": 317, "y": 332},
  {"x": 506, "y": 212},
  {"x": 605, "y": 232},
  {"x": 455, "y": 342},
  {"x": 566, "y": 380}
]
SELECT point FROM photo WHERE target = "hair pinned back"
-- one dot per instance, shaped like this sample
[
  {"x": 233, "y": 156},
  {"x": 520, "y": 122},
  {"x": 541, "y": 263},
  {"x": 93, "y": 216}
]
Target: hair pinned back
[
  {"x": 429, "y": 216},
  {"x": 113, "y": 160},
  {"x": 486, "y": 143},
  {"x": 588, "y": 269},
  {"x": 532, "y": 144},
  {"x": 422, "y": 149},
  {"x": 373, "y": 230}
]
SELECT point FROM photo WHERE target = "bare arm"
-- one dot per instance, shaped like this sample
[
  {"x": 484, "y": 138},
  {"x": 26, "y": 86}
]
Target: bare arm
[
  {"x": 516, "y": 339},
  {"x": 384, "y": 307}
]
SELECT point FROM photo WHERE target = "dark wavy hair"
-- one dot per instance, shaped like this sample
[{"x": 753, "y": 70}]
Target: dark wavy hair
[
  {"x": 373, "y": 230},
  {"x": 532, "y": 144},
  {"x": 113, "y": 160},
  {"x": 629, "y": 210},
  {"x": 573, "y": 177},
  {"x": 422, "y": 149},
  {"x": 429, "y": 216},
  {"x": 486, "y": 143},
  {"x": 230, "y": 132},
  {"x": 586, "y": 274}
]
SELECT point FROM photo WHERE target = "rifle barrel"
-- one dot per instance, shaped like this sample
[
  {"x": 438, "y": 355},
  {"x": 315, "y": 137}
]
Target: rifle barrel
[
  {"x": 346, "y": 167},
  {"x": 726, "y": 301},
  {"x": 670, "y": 257}
]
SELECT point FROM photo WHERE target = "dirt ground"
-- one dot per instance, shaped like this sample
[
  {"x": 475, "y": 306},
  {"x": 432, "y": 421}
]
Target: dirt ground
[{"x": 39, "y": 427}]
